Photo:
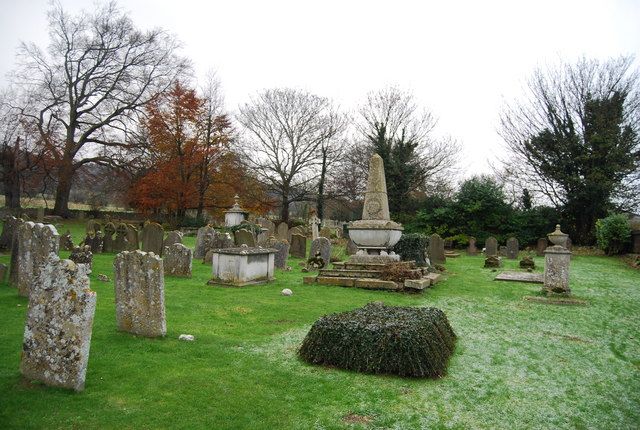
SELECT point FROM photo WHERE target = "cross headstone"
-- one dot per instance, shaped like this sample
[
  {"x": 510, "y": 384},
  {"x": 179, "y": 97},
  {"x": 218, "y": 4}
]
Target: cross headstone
[
  {"x": 436, "y": 249},
  {"x": 121, "y": 243},
  {"x": 108, "y": 240},
  {"x": 139, "y": 293}
]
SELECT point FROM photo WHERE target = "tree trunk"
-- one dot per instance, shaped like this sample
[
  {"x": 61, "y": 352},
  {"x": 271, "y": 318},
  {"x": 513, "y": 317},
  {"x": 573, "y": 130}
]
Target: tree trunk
[
  {"x": 63, "y": 190},
  {"x": 284, "y": 212},
  {"x": 320, "y": 200}
]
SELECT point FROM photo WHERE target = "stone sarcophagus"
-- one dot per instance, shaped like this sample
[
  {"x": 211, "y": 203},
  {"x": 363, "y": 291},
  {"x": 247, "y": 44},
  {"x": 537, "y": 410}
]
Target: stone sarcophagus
[{"x": 242, "y": 266}]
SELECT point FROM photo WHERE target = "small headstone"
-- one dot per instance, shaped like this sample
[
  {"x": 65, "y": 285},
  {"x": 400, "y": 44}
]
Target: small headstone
[
  {"x": 282, "y": 252},
  {"x": 270, "y": 226},
  {"x": 321, "y": 245},
  {"x": 295, "y": 230},
  {"x": 282, "y": 232},
  {"x": 491, "y": 247},
  {"x": 152, "y": 237},
  {"x": 436, "y": 249},
  {"x": 493, "y": 261},
  {"x": 502, "y": 250},
  {"x": 9, "y": 229},
  {"x": 298, "y": 246},
  {"x": 108, "y": 240},
  {"x": 244, "y": 237},
  {"x": 66, "y": 242},
  {"x": 39, "y": 243},
  {"x": 174, "y": 236},
  {"x": 541, "y": 245},
  {"x": 203, "y": 241},
  {"x": 471, "y": 248},
  {"x": 139, "y": 293},
  {"x": 527, "y": 263},
  {"x": 513, "y": 248},
  {"x": 57, "y": 334},
  {"x": 208, "y": 258},
  {"x": 286, "y": 292},
  {"x": 177, "y": 260},
  {"x": 82, "y": 255},
  {"x": 352, "y": 248},
  {"x": 132, "y": 238}
]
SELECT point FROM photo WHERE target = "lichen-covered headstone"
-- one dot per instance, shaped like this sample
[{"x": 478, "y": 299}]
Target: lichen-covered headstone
[
  {"x": 244, "y": 237},
  {"x": 323, "y": 246},
  {"x": 93, "y": 226},
  {"x": 9, "y": 229},
  {"x": 541, "y": 245},
  {"x": 178, "y": 260},
  {"x": 298, "y": 246},
  {"x": 491, "y": 247},
  {"x": 436, "y": 249},
  {"x": 14, "y": 272},
  {"x": 66, "y": 242},
  {"x": 152, "y": 238},
  {"x": 139, "y": 291},
  {"x": 203, "y": 241},
  {"x": 57, "y": 334},
  {"x": 39, "y": 243},
  {"x": 282, "y": 232},
  {"x": 174, "y": 236},
  {"x": 282, "y": 251},
  {"x": 82, "y": 255},
  {"x": 513, "y": 247},
  {"x": 471, "y": 248}
]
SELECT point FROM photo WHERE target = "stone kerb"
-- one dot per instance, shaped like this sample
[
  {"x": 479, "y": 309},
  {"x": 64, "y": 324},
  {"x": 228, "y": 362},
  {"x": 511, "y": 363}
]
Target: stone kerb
[
  {"x": 57, "y": 334},
  {"x": 139, "y": 292}
]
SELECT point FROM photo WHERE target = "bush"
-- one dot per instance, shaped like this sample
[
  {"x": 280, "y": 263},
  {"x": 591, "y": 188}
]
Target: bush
[
  {"x": 402, "y": 341},
  {"x": 613, "y": 233},
  {"x": 412, "y": 247}
]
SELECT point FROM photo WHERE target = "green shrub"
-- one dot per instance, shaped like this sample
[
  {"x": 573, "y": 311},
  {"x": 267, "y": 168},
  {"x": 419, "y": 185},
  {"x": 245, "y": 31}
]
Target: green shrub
[
  {"x": 613, "y": 233},
  {"x": 376, "y": 338},
  {"x": 412, "y": 247}
]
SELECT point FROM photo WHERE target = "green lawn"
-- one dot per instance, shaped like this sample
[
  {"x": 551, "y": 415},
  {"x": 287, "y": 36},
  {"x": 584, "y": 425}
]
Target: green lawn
[{"x": 517, "y": 364}]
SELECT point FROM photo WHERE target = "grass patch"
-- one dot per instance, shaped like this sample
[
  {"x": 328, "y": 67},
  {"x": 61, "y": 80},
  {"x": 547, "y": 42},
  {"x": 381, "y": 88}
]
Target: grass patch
[{"x": 517, "y": 365}]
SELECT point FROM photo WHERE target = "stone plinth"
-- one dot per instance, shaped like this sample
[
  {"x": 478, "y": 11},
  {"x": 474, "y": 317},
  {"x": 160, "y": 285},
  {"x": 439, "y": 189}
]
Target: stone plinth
[
  {"x": 177, "y": 260},
  {"x": 556, "y": 270},
  {"x": 38, "y": 243},
  {"x": 139, "y": 288},
  {"x": 242, "y": 266},
  {"x": 57, "y": 334}
]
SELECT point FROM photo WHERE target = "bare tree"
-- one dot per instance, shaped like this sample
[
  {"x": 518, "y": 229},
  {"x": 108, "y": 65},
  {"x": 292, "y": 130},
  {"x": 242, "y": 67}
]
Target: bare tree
[
  {"x": 96, "y": 75},
  {"x": 285, "y": 131},
  {"x": 573, "y": 139}
]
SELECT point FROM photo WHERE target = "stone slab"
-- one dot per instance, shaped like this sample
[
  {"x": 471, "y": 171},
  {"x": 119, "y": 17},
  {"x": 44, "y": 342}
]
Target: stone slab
[
  {"x": 532, "y": 278},
  {"x": 309, "y": 280},
  {"x": 376, "y": 284},
  {"x": 417, "y": 284},
  {"x": 433, "y": 277}
]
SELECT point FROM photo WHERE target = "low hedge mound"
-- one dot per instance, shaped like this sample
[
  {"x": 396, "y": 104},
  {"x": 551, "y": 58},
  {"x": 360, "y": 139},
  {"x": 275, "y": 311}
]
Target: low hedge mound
[
  {"x": 376, "y": 338},
  {"x": 412, "y": 247}
]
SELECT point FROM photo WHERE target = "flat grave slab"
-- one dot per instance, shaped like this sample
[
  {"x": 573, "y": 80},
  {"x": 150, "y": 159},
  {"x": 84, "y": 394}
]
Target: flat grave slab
[{"x": 532, "y": 278}]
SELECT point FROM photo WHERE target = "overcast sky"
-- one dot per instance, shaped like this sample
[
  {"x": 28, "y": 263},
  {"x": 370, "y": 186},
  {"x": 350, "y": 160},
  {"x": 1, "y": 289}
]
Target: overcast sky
[{"x": 462, "y": 59}]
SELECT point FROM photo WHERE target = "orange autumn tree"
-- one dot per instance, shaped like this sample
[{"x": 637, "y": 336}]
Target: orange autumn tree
[{"x": 175, "y": 154}]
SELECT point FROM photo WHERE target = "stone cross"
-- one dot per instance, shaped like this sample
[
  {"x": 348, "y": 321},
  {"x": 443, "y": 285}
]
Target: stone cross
[
  {"x": 314, "y": 222},
  {"x": 57, "y": 333},
  {"x": 139, "y": 291}
]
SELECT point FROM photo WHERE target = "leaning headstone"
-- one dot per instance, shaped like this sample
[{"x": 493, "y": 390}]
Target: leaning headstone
[
  {"x": 298, "y": 246},
  {"x": 244, "y": 237},
  {"x": 66, "y": 242},
  {"x": 436, "y": 249},
  {"x": 282, "y": 251},
  {"x": 471, "y": 248},
  {"x": 513, "y": 248},
  {"x": 203, "y": 241},
  {"x": 321, "y": 245},
  {"x": 174, "y": 236},
  {"x": 39, "y": 243},
  {"x": 132, "y": 238},
  {"x": 152, "y": 238},
  {"x": 541, "y": 245},
  {"x": 282, "y": 232},
  {"x": 82, "y": 255},
  {"x": 57, "y": 333},
  {"x": 121, "y": 243},
  {"x": 491, "y": 247},
  {"x": 177, "y": 260},
  {"x": 139, "y": 291},
  {"x": 352, "y": 248},
  {"x": 9, "y": 229}
]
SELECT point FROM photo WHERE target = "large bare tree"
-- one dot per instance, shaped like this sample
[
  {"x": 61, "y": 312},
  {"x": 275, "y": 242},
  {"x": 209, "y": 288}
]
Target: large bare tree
[
  {"x": 97, "y": 73},
  {"x": 286, "y": 132}
]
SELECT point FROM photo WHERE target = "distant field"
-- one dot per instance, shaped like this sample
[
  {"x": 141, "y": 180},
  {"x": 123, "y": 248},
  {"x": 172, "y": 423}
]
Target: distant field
[{"x": 39, "y": 202}]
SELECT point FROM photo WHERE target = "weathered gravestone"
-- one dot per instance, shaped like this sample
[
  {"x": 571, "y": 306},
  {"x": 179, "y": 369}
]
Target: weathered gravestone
[
  {"x": 66, "y": 242},
  {"x": 174, "y": 236},
  {"x": 121, "y": 243},
  {"x": 282, "y": 232},
  {"x": 82, "y": 255},
  {"x": 9, "y": 229},
  {"x": 203, "y": 241},
  {"x": 270, "y": 226},
  {"x": 14, "y": 271},
  {"x": 295, "y": 230},
  {"x": 93, "y": 226},
  {"x": 218, "y": 240},
  {"x": 107, "y": 240},
  {"x": 177, "y": 260},
  {"x": 152, "y": 237},
  {"x": 57, "y": 333},
  {"x": 298, "y": 246},
  {"x": 491, "y": 247},
  {"x": 323, "y": 246},
  {"x": 94, "y": 241},
  {"x": 436, "y": 249},
  {"x": 282, "y": 251},
  {"x": 132, "y": 238},
  {"x": 139, "y": 290},
  {"x": 513, "y": 248},
  {"x": 351, "y": 248},
  {"x": 244, "y": 237},
  {"x": 39, "y": 243},
  {"x": 541, "y": 245},
  {"x": 471, "y": 248}
]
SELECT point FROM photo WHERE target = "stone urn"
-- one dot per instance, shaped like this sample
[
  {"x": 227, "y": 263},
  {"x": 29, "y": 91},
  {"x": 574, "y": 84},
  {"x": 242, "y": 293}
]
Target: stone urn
[
  {"x": 558, "y": 237},
  {"x": 375, "y": 234}
]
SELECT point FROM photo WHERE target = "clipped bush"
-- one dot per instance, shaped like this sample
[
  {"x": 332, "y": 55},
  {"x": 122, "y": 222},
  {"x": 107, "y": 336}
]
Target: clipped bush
[
  {"x": 613, "y": 233},
  {"x": 412, "y": 247},
  {"x": 400, "y": 271},
  {"x": 376, "y": 338}
]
